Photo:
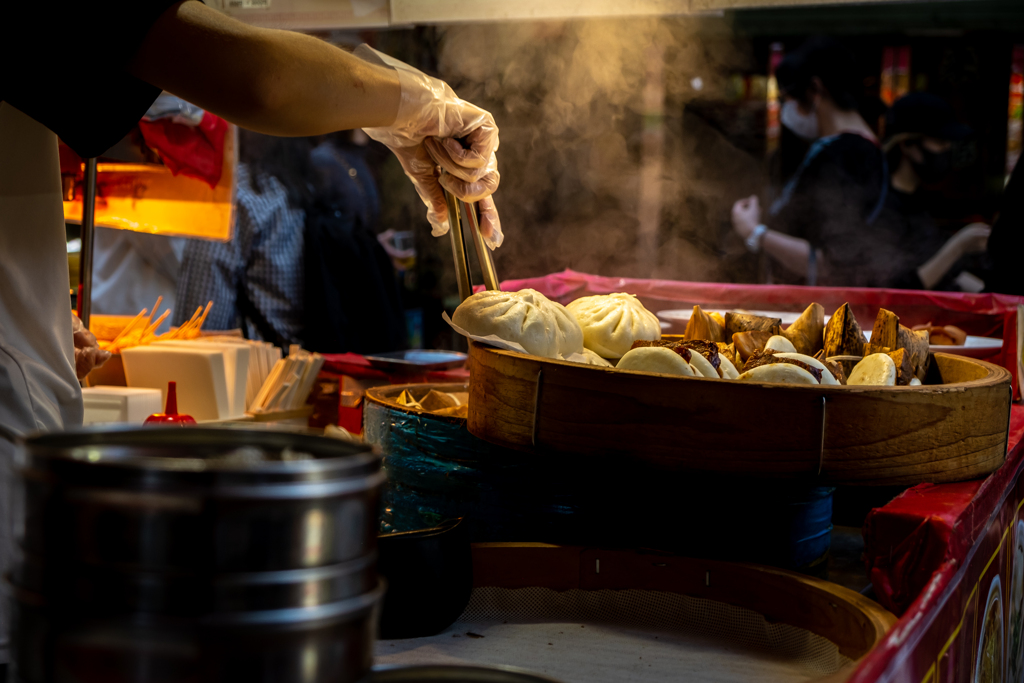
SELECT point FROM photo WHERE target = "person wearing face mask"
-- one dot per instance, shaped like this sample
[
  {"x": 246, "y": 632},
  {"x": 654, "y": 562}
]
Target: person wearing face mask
[
  {"x": 822, "y": 225},
  {"x": 922, "y": 129}
]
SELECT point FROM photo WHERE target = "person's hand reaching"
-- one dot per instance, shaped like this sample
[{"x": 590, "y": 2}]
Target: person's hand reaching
[
  {"x": 746, "y": 215},
  {"x": 973, "y": 238},
  {"x": 88, "y": 354},
  {"x": 443, "y": 143}
]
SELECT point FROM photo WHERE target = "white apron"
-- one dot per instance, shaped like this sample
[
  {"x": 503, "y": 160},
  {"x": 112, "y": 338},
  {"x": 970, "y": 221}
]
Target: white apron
[{"x": 38, "y": 387}]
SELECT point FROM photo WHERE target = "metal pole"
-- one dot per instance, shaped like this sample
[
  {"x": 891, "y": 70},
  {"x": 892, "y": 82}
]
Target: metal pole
[{"x": 88, "y": 235}]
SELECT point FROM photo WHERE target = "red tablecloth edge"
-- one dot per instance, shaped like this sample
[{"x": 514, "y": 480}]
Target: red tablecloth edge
[
  {"x": 912, "y": 626},
  {"x": 910, "y": 538}
]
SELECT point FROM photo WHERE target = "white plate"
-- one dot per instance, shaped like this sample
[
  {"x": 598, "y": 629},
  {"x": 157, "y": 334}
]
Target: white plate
[{"x": 975, "y": 347}]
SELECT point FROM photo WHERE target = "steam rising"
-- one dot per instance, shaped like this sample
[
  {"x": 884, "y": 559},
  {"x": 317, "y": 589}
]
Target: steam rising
[{"x": 588, "y": 108}]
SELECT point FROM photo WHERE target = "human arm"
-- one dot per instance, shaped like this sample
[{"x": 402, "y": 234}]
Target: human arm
[
  {"x": 792, "y": 252},
  {"x": 972, "y": 239},
  {"x": 288, "y": 84},
  {"x": 269, "y": 81}
]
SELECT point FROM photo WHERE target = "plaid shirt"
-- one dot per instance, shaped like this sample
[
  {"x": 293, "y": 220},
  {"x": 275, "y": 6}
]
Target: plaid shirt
[{"x": 256, "y": 278}]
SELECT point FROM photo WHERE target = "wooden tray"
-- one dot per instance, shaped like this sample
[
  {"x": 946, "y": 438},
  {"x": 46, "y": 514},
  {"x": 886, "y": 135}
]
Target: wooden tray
[{"x": 945, "y": 432}]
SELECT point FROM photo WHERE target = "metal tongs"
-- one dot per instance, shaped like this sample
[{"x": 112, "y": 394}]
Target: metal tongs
[{"x": 456, "y": 209}]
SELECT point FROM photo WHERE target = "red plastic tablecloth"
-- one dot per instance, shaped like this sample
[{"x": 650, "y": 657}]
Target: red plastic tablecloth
[{"x": 907, "y": 541}]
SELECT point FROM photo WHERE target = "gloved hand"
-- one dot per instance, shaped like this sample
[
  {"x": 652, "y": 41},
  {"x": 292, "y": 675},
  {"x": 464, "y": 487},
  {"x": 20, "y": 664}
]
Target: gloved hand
[
  {"x": 88, "y": 354},
  {"x": 425, "y": 136}
]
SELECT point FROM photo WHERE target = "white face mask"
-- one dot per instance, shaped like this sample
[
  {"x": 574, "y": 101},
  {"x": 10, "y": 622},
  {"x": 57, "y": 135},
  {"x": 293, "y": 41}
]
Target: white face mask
[{"x": 804, "y": 125}]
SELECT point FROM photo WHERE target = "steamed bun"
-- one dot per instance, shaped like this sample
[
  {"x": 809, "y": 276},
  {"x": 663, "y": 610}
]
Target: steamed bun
[
  {"x": 612, "y": 322},
  {"x": 539, "y": 325}
]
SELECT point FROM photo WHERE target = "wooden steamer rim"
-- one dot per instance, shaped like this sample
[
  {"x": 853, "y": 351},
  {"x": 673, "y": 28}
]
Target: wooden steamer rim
[
  {"x": 836, "y": 434},
  {"x": 856, "y": 624},
  {"x": 384, "y": 396}
]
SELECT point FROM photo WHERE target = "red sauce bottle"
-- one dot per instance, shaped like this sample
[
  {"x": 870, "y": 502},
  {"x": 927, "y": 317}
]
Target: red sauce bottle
[{"x": 170, "y": 415}]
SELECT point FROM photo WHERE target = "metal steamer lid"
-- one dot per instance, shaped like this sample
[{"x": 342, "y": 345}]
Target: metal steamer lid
[{"x": 217, "y": 457}]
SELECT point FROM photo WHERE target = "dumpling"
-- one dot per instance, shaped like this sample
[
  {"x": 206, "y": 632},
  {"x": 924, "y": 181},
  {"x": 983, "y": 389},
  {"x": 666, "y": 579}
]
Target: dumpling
[
  {"x": 612, "y": 322},
  {"x": 527, "y": 317}
]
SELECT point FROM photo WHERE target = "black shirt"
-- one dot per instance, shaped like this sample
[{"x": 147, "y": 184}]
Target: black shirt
[
  {"x": 913, "y": 237},
  {"x": 833, "y": 202},
  {"x": 65, "y": 66},
  {"x": 1006, "y": 244}
]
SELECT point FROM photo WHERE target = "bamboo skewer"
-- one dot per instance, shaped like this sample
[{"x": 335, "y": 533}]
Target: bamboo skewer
[{"x": 127, "y": 328}]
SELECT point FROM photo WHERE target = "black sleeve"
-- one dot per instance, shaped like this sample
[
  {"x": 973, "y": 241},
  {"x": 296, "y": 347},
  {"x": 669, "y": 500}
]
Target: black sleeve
[
  {"x": 829, "y": 207},
  {"x": 1006, "y": 243},
  {"x": 65, "y": 66}
]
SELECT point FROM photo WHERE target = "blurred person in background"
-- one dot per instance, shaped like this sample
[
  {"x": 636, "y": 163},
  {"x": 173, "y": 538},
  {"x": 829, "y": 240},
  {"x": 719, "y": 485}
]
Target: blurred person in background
[
  {"x": 132, "y": 269},
  {"x": 922, "y": 129},
  {"x": 821, "y": 226},
  {"x": 343, "y": 256},
  {"x": 255, "y": 280},
  {"x": 1006, "y": 243}
]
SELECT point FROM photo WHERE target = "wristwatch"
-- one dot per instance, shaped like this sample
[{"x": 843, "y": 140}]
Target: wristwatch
[{"x": 754, "y": 241}]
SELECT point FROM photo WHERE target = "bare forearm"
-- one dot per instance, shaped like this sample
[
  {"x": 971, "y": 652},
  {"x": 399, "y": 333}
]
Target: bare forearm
[
  {"x": 935, "y": 268},
  {"x": 273, "y": 82},
  {"x": 791, "y": 252}
]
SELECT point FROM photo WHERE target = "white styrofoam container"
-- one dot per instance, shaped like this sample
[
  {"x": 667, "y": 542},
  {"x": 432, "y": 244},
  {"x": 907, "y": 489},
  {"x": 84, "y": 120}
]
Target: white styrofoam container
[
  {"x": 199, "y": 372},
  {"x": 236, "y": 368},
  {"x": 131, "y": 405}
]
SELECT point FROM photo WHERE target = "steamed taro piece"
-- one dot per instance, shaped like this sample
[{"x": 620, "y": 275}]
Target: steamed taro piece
[
  {"x": 807, "y": 331},
  {"x": 704, "y": 326},
  {"x": 612, "y": 322},
  {"x": 747, "y": 343},
  {"x": 541, "y": 326},
  {"x": 745, "y": 322},
  {"x": 889, "y": 335}
]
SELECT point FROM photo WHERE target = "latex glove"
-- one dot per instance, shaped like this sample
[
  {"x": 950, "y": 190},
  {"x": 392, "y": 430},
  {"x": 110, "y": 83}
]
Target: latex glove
[
  {"x": 746, "y": 215},
  {"x": 425, "y": 138},
  {"x": 88, "y": 354}
]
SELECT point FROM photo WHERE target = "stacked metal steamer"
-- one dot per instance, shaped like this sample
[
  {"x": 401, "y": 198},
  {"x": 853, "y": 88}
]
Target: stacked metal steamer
[{"x": 193, "y": 555}]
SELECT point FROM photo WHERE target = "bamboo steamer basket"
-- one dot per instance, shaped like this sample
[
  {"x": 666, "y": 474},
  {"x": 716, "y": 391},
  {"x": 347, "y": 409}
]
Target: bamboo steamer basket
[
  {"x": 952, "y": 429},
  {"x": 855, "y": 623},
  {"x": 437, "y": 471},
  {"x": 522, "y": 587}
]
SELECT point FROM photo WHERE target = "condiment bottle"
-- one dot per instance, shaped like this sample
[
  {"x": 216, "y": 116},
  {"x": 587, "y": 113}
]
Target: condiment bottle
[{"x": 170, "y": 415}]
